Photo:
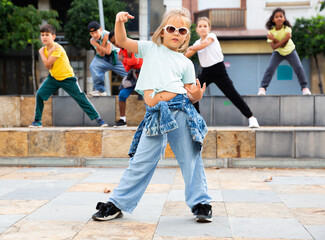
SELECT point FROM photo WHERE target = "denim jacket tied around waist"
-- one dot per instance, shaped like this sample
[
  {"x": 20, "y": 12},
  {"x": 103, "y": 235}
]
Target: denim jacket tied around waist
[{"x": 160, "y": 120}]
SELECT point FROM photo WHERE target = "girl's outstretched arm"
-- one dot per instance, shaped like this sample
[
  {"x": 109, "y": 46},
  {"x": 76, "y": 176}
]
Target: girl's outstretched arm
[
  {"x": 189, "y": 53},
  {"x": 120, "y": 33}
]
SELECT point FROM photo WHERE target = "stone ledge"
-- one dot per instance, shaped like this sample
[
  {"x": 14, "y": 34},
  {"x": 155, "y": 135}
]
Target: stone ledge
[
  {"x": 220, "y": 143},
  {"x": 305, "y": 163}
]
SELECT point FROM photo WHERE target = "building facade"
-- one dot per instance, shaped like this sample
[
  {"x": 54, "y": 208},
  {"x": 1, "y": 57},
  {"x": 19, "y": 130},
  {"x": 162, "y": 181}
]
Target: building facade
[{"x": 238, "y": 24}]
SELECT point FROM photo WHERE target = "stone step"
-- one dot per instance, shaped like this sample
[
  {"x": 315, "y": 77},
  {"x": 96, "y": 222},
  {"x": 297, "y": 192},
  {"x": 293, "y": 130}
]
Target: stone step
[
  {"x": 223, "y": 146},
  {"x": 272, "y": 110}
]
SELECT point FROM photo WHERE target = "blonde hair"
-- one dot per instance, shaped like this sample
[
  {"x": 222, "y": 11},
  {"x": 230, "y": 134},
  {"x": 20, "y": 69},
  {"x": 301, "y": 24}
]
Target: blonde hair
[
  {"x": 185, "y": 14},
  {"x": 203, "y": 19}
]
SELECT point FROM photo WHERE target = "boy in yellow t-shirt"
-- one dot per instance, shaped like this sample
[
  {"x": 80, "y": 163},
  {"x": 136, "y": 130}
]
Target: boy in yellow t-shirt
[{"x": 61, "y": 75}]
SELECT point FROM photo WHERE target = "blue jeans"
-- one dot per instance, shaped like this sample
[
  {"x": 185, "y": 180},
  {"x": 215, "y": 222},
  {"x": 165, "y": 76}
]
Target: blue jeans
[
  {"x": 125, "y": 93},
  {"x": 294, "y": 61},
  {"x": 99, "y": 66},
  {"x": 149, "y": 151}
]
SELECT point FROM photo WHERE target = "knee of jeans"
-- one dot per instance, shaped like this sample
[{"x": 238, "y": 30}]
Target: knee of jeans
[{"x": 122, "y": 98}]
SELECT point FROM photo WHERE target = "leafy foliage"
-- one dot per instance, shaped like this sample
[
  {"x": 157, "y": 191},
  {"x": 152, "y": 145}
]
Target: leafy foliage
[
  {"x": 322, "y": 5},
  {"x": 6, "y": 9},
  {"x": 84, "y": 11},
  {"x": 21, "y": 25},
  {"x": 194, "y": 37},
  {"x": 308, "y": 36}
]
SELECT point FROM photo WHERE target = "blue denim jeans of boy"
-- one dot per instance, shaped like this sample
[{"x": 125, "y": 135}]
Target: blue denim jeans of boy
[
  {"x": 294, "y": 61},
  {"x": 99, "y": 66},
  {"x": 137, "y": 176}
]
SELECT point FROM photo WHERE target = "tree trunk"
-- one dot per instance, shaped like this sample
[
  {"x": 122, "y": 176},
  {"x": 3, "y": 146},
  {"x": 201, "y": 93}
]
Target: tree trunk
[
  {"x": 320, "y": 84},
  {"x": 33, "y": 70}
]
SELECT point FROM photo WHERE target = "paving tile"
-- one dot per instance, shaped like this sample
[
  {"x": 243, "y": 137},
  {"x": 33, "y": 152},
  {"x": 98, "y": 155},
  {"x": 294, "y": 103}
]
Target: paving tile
[
  {"x": 163, "y": 176},
  {"x": 180, "y": 226},
  {"x": 190, "y": 238},
  {"x": 7, "y": 220},
  {"x": 116, "y": 230},
  {"x": 79, "y": 198},
  {"x": 232, "y": 185},
  {"x": 20, "y": 206},
  {"x": 57, "y": 203},
  {"x": 249, "y": 196},
  {"x": 179, "y": 195},
  {"x": 7, "y": 186},
  {"x": 291, "y": 180},
  {"x": 270, "y": 227},
  {"x": 6, "y": 170},
  {"x": 237, "y": 175},
  {"x": 108, "y": 175},
  {"x": 31, "y": 230},
  {"x": 181, "y": 209},
  {"x": 25, "y": 175},
  {"x": 39, "y": 190},
  {"x": 317, "y": 231},
  {"x": 258, "y": 210},
  {"x": 318, "y": 180},
  {"x": 303, "y": 200},
  {"x": 236, "y": 238},
  {"x": 66, "y": 176},
  {"x": 92, "y": 187},
  {"x": 158, "y": 188},
  {"x": 144, "y": 214},
  {"x": 309, "y": 216},
  {"x": 67, "y": 212},
  {"x": 299, "y": 189}
]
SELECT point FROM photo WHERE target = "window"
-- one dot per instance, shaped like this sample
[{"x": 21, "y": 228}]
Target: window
[{"x": 282, "y": 3}]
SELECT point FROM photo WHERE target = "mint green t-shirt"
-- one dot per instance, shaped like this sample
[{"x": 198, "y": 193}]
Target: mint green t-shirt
[
  {"x": 279, "y": 35},
  {"x": 163, "y": 69}
]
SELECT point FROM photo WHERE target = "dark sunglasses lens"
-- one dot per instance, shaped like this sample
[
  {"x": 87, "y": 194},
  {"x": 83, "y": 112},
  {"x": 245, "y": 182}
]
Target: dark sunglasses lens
[
  {"x": 170, "y": 29},
  {"x": 182, "y": 31}
]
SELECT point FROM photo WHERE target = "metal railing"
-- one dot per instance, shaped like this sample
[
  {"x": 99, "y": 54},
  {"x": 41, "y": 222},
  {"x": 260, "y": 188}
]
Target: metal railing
[{"x": 224, "y": 18}]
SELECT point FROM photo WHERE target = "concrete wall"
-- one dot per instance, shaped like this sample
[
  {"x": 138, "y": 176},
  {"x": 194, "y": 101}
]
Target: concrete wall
[{"x": 270, "y": 110}]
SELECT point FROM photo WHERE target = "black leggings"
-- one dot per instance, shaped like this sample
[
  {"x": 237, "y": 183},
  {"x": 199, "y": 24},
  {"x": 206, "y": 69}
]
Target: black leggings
[{"x": 217, "y": 74}]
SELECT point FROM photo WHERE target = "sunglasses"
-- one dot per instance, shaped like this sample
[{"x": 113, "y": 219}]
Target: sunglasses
[{"x": 171, "y": 29}]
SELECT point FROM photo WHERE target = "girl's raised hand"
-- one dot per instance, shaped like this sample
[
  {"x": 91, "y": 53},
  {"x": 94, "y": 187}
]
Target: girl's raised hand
[
  {"x": 123, "y": 17},
  {"x": 196, "y": 91}
]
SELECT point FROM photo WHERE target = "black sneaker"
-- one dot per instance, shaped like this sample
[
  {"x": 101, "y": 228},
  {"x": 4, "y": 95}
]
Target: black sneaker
[
  {"x": 120, "y": 123},
  {"x": 101, "y": 122},
  {"x": 107, "y": 211},
  {"x": 203, "y": 212}
]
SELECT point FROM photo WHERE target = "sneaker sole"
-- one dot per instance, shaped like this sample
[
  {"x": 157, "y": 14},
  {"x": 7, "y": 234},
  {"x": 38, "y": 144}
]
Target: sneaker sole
[
  {"x": 104, "y": 125},
  {"x": 120, "y": 126},
  {"x": 116, "y": 215},
  {"x": 203, "y": 219}
]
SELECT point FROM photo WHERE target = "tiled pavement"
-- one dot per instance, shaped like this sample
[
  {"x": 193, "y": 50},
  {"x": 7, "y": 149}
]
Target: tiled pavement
[{"x": 259, "y": 204}]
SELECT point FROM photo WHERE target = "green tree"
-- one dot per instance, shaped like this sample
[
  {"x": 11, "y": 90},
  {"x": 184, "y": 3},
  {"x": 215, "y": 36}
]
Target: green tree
[
  {"x": 309, "y": 38},
  {"x": 194, "y": 37},
  {"x": 84, "y": 11},
  {"x": 22, "y": 28},
  {"x": 6, "y": 9}
]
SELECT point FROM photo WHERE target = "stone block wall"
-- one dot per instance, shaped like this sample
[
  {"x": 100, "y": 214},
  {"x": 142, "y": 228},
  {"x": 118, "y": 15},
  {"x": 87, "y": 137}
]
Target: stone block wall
[
  {"x": 114, "y": 143},
  {"x": 20, "y": 111}
]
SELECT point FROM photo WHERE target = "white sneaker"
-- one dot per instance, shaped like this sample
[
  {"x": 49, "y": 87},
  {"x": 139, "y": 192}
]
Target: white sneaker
[
  {"x": 261, "y": 91},
  {"x": 97, "y": 93},
  {"x": 253, "y": 122},
  {"x": 306, "y": 91}
]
